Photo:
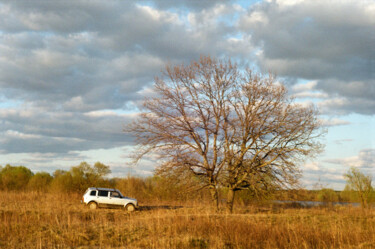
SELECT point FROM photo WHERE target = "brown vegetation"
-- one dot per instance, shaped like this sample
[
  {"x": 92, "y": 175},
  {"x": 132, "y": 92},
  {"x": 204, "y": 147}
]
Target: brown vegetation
[
  {"x": 158, "y": 188},
  {"x": 32, "y": 220}
]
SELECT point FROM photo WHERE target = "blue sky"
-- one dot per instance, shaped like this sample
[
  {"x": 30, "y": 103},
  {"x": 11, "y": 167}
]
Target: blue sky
[{"x": 72, "y": 73}]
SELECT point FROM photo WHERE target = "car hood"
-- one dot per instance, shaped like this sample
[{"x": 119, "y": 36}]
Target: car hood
[{"x": 128, "y": 198}]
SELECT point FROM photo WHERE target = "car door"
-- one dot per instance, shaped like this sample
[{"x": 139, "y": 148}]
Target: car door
[
  {"x": 103, "y": 197},
  {"x": 116, "y": 198}
]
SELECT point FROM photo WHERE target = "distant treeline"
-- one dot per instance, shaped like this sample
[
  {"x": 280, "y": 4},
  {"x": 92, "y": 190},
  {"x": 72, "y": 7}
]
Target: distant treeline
[
  {"x": 79, "y": 178},
  {"x": 154, "y": 188}
]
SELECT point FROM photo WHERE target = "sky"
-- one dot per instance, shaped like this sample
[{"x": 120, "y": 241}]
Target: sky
[{"x": 73, "y": 73}]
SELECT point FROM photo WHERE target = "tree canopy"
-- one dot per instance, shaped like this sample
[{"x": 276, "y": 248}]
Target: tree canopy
[
  {"x": 14, "y": 177},
  {"x": 360, "y": 183},
  {"x": 231, "y": 127}
]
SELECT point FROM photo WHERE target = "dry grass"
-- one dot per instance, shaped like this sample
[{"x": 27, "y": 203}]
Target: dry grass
[{"x": 29, "y": 220}]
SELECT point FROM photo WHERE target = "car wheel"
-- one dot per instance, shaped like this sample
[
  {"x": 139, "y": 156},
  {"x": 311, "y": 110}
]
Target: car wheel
[
  {"x": 130, "y": 207},
  {"x": 93, "y": 205}
]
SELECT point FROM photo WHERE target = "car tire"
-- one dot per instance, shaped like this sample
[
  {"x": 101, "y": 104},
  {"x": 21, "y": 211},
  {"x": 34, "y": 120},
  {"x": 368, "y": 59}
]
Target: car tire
[
  {"x": 93, "y": 205},
  {"x": 130, "y": 207}
]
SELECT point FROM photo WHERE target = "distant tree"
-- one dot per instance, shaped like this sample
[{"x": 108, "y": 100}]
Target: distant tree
[
  {"x": 100, "y": 170},
  {"x": 178, "y": 183},
  {"x": 58, "y": 173},
  {"x": 360, "y": 183},
  {"x": 80, "y": 177},
  {"x": 349, "y": 195},
  {"x": 40, "y": 181},
  {"x": 133, "y": 187},
  {"x": 229, "y": 127},
  {"x": 85, "y": 175},
  {"x": 62, "y": 181},
  {"x": 15, "y": 177},
  {"x": 327, "y": 195}
]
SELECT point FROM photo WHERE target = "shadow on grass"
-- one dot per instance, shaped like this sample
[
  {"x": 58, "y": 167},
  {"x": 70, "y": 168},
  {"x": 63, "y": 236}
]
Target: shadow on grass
[{"x": 164, "y": 207}]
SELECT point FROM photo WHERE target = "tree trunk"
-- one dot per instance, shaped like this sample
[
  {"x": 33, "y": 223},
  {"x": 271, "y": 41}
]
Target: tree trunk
[
  {"x": 363, "y": 201},
  {"x": 215, "y": 197},
  {"x": 230, "y": 200}
]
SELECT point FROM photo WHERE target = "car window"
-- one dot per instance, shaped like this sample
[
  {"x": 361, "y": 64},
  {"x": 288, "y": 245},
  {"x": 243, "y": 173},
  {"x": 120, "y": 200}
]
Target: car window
[
  {"x": 93, "y": 193},
  {"x": 103, "y": 193},
  {"x": 115, "y": 194}
]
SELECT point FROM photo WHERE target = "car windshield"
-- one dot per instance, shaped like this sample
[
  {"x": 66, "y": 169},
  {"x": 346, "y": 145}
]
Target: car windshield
[
  {"x": 120, "y": 193},
  {"x": 115, "y": 194}
]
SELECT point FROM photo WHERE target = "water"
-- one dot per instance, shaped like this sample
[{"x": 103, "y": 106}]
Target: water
[{"x": 319, "y": 203}]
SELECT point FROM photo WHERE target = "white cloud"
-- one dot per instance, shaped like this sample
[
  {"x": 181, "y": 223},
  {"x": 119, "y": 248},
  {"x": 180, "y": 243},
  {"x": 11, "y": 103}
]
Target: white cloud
[
  {"x": 109, "y": 114},
  {"x": 343, "y": 106},
  {"x": 314, "y": 166},
  {"x": 287, "y": 2},
  {"x": 311, "y": 95},
  {"x": 10, "y": 134},
  {"x": 315, "y": 175},
  {"x": 333, "y": 122},
  {"x": 307, "y": 90},
  {"x": 365, "y": 160}
]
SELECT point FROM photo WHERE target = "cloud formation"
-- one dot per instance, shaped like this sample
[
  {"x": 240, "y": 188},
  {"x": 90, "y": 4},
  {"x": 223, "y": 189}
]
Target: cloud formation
[
  {"x": 62, "y": 62},
  {"x": 61, "y": 132},
  {"x": 330, "y": 172},
  {"x": 331, "y": 42},
  {"x": 72, "y": 72},
  {"x": 365, "y": 160}
]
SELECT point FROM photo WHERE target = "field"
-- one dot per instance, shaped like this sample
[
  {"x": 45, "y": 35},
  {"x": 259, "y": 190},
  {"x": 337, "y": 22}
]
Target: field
[{"x": 32, "y": 220}]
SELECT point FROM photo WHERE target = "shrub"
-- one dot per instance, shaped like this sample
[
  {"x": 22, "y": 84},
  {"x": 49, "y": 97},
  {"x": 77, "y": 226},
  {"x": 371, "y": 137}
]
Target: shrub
[
  {"x": 327, "y": 195},
  {"x": 15, "y": 177},
  {"x": 40, "y": 181}
]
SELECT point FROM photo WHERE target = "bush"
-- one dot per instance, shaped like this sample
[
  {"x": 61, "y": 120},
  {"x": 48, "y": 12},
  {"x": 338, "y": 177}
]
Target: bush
[
  {"x": 15, "y": 177},
  {"x": 62, "y": 181},
  {"x": 80, "y": 177},
  {"x": 327, "y": 195},
  {"x": 40, "y": 181}
]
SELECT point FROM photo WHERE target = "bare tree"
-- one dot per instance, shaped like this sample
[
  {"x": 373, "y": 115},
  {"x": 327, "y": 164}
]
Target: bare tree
[
  {"x": 269, "y": 135},
  {"x": 230, "y": 127},
  {"x": 359, "y": 182}
]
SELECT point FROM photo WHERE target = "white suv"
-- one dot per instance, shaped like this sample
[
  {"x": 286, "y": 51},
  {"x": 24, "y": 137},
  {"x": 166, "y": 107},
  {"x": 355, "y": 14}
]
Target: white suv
[{"x": 108, "y": 197}]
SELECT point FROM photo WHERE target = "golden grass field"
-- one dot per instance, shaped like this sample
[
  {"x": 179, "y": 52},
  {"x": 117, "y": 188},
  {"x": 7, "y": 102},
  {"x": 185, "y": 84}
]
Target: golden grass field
[{"x": 32, "y": 220}]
